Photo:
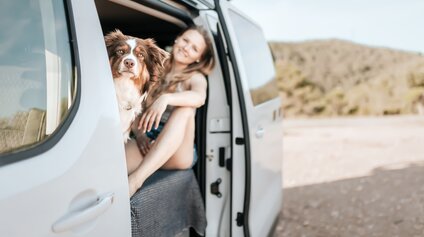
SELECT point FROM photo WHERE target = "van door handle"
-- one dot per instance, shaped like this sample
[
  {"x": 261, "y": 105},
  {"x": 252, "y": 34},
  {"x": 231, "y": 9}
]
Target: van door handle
[
  {"x": 260, "y": 132},
  {"x": 77, "y": 218}
]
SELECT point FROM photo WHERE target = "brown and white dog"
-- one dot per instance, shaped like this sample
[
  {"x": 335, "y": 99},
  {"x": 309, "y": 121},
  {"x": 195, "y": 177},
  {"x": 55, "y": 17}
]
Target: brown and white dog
[{"x": 136, "y": 64}]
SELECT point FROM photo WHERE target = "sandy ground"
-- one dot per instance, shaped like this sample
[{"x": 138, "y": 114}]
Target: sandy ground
[{"x": 353, "y": 177}]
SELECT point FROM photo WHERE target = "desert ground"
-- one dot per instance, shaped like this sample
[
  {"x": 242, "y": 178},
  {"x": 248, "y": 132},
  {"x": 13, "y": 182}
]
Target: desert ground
[{"x": 353, "y": 177}]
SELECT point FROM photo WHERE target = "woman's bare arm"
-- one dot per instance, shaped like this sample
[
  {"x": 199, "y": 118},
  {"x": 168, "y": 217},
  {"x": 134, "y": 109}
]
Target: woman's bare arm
[{"x": 194, "y": 97}]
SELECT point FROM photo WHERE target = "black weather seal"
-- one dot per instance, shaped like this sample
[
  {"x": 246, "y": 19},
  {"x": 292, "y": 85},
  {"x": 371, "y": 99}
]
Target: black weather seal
[
  {"x": 243, "y": 111},
  {"x": 222, "y": 56},
  {"x": 201, "y": 141}
]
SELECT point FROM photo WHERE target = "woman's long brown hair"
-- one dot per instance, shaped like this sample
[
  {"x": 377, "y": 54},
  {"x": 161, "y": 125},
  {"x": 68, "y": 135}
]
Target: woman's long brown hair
[{"x": 169, "y": 81}]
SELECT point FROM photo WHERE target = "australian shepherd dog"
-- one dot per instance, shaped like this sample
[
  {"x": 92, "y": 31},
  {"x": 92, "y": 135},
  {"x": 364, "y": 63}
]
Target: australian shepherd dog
[{"x": 136, "y": 65}]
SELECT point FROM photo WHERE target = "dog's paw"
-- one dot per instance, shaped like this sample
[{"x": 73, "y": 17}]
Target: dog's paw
[{"x": 126, "y": 136}]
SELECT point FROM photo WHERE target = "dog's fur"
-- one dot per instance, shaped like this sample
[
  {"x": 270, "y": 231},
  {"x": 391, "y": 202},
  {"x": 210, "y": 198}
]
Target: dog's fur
[{"x": 136, "y": 65}]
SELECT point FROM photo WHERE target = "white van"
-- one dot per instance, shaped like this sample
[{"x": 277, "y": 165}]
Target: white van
[{"x": 62, "y": 160}]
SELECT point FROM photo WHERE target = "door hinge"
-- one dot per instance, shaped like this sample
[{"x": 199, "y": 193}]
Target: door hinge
[{"x": 240, "y": 219}]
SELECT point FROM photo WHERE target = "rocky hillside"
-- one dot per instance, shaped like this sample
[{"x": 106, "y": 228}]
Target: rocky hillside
[{"x": 335, "y": 77}]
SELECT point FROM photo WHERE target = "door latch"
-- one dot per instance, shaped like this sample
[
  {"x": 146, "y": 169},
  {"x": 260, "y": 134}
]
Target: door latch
[{"x": 215, "y": 188}]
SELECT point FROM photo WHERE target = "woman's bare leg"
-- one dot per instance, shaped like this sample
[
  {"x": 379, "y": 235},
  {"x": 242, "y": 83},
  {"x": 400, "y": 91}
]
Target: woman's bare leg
[
  {"x": 172, "y": 142},
  {"x": 183, "y": 156},
  {"x": 133, "y": 156}
]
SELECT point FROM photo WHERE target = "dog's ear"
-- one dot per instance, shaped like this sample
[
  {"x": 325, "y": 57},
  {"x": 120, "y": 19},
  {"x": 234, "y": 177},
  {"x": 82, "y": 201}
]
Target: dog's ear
[
  {"x": 112, "y": 37},
  {"x": 156, "y": 61}
]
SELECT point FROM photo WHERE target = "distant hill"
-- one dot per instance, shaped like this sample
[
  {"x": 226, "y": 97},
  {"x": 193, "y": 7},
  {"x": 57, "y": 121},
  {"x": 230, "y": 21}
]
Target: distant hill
[{"x": 336, "y": 77}]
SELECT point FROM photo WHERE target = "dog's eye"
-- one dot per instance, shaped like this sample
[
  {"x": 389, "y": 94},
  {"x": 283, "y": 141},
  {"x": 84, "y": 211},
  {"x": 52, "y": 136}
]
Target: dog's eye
[
  {"x": 120, "y": 52},
  {"x": 140, "y": 55}
]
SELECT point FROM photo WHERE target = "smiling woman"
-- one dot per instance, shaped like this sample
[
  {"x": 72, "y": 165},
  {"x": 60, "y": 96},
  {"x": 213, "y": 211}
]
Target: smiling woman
[
  {"x": 188, "y": 48},
  {"x": 183, "y": 86}
]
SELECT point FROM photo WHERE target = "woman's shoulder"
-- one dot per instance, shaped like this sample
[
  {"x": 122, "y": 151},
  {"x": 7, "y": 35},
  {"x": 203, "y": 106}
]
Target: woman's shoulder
[
  {"x": 197, "y": 79},
  {"x": 198, "y": 76}
]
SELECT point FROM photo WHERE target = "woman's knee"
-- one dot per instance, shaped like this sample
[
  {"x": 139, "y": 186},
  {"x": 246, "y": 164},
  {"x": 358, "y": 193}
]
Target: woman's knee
[
  {"x": 180, "y": 163},
  {"x": 186, "y": 112},
  {"x": 185, "y": 164}
]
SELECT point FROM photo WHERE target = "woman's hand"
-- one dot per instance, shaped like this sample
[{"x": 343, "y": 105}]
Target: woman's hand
[
  {"x": 144, "y": 143},
  {"x": 153, "y": 115}
]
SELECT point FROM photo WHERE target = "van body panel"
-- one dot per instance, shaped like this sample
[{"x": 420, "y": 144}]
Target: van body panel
[
  {"x": 266, "y": 190},
  {"x": 86, "y": 166}
]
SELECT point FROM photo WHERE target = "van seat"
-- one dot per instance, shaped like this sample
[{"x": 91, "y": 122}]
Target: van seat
[
  {"x": 169, "y": 203},
  {"x": 24, "y": 128}
]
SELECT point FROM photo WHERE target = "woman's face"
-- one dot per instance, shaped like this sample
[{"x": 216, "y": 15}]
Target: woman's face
[{"x": 189, "y": 47}]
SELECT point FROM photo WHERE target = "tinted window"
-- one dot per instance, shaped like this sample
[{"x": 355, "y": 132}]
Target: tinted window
[
  {"x": 36, "y": 77},
  {"x": 257, "y": 59}
]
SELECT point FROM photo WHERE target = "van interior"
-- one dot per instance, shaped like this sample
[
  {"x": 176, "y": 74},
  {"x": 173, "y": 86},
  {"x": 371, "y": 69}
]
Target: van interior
[
  {"x": 151, "y": 206},
  {"x": 144, "y": 20}
]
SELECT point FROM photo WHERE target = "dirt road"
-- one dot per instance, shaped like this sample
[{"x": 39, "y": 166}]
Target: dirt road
[{"x": 353, "y": 177}]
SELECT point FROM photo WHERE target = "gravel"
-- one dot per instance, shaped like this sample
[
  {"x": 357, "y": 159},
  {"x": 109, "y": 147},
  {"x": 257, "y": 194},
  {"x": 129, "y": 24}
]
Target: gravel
[{"x": 353, "y": 177}]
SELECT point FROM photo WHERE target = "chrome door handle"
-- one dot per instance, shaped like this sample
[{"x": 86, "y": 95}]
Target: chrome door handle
[
  {"x": 77, "y": 218},
  {"x": 260, "y": 131}
]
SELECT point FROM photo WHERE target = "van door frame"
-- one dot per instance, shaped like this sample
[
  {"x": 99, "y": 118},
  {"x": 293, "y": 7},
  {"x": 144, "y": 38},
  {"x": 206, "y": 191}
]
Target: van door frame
[{"x": 242, "y": 219}]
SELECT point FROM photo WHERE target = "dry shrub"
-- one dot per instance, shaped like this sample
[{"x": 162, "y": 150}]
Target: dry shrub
[{"x": 338, "y": 78}]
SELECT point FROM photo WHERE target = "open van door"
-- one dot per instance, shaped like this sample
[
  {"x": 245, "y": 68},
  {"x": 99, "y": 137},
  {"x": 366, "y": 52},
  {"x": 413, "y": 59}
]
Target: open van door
[
  {"x": 257, "y": 128},
  {"x": 62, "y": 160}
]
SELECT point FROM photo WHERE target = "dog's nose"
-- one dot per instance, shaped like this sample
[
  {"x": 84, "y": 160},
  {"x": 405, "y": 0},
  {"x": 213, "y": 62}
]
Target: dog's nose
[{"x": 129, "y": 63}]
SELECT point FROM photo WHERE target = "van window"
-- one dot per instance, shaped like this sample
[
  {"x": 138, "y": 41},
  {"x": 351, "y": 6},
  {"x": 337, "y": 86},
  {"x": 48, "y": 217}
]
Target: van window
[
  {"x": 37, "y": 85},
  {"x": 257, "y": 59}
]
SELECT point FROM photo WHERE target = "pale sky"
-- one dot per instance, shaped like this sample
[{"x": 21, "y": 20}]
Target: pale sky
[{"x": 395, "y": 24}]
